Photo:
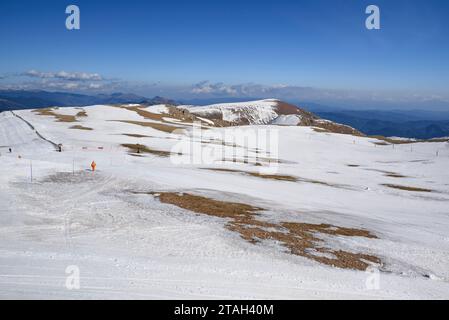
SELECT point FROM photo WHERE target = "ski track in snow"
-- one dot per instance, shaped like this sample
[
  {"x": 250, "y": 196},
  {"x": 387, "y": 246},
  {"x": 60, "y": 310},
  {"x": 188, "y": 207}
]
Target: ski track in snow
[{"x": 129, "y": 245}]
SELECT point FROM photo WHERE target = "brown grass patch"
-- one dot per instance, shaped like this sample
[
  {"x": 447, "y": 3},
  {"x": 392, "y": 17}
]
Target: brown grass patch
[
  {"x": 81, "y": 114},
  {"x": 256, "y": 174},
  {"x": 146, "y": 114},
  {"x": 207, "y": 206},
  {"x": 388, "y": 173},
  {"x": 175, "y": 113},
  {"x": 134, "y": 135},
  {"x": 80, "y": 127},
  {"x": 52, "y": 113},
  {"x": 321, "y": 130},
  {"x": 280, "y": 177},
  {"x": 156, "y": 126},
  {"x": 182, "y": 115},
  {"x": 140, "y": 148},
  {"x": 394, "y": 175},
  {"x": 407, "y": 188},
  {"x": 387, "y": 141},
  {"x": 334, "y": 127},
  {"x": 299, "y": 238}
]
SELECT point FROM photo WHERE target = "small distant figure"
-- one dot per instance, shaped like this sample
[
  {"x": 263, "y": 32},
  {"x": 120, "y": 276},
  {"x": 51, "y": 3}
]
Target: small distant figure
[
  {"x": 10, "y": 150},
  {"x": 60, "y": 147},
  {"x": 93, "y": 165}
]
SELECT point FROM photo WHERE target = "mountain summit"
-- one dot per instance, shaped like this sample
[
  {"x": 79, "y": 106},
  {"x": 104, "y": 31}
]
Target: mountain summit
[{"x": 262, "y": 112}]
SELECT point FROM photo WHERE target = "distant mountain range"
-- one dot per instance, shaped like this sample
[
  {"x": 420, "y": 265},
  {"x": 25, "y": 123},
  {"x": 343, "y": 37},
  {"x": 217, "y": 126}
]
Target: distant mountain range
[
  {"x": 21, "y": 99},
  {"x": 419, "y": 124},
  {"x": 409, "y": 124}
]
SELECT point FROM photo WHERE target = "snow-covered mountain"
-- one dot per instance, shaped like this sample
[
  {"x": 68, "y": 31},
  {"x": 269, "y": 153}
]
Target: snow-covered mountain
[
  {"x": 180, "y": 211},
  {"x": 268, "y": 111},
  {"x": 240, "y": 113}
]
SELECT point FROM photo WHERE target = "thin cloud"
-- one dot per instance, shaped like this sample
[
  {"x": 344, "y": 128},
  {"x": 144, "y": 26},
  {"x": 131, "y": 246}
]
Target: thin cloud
[
  {"x": 344, "y": 98},
  {"x": 64, "y": 75}
]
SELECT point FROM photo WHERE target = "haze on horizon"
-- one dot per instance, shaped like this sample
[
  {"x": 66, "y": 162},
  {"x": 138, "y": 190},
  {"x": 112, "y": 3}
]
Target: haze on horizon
[{"x": 314, "y": 51}]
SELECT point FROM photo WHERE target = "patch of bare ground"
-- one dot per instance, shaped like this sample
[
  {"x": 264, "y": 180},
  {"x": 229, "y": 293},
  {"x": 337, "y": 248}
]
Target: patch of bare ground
[
  {"x": 157, "y": 126},
  {"x": 300, "y": 239},
  {"x": 134, "y": 135},
  {"x": 311, "y": 120},
  {"x": 59, "y": 117},
  {"x": 316, "y": 129},
  {"x": 329, "y": 126},
  {"x": 353, "y": 165},
  {"x": 280, "y": 177},
  {"x": 80, "y": 127},
  {"x": 394, "y": 175},
  {"x": 81, "y": 113},
  {"x": 388, "y": 173},
  {"x": 383, "y": 143},
  {"x": 136, "y": 149},
  {"x": 257, "y": 174},
  {"x": 407, "y": 188},
  {"x": 388, "y": 141},
  {"x": 324, "y": 183},
  {"x": 182, "y": 115},
  {"x": 146, "y": 114}
]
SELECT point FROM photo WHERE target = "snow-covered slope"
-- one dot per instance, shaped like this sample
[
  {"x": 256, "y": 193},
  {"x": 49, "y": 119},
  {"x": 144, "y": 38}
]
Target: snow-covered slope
[
  {"x": 252, "y": 112},
  {"x": 55, "y": 213},
  {"x": 287, "y": 120}
]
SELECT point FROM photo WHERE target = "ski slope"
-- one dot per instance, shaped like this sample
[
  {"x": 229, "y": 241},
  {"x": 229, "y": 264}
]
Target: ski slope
[{"x": 127, "y": 244}]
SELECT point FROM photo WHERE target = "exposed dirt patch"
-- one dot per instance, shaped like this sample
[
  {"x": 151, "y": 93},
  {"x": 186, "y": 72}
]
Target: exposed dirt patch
[
  {"x": 137, "y": 149},
  {"x": 388, "y": 173},
  {"x": 299, "y": 238},
  {"x": 407, "y": 188},
  {"x": 285, "y": 108},
  {"x": 154, "y": 125},
  {"x": 353, "y": 165},
  {"x": 281, "y": 177},
  {"x": 207, "y": 206},
  {"x": 82, "y": 113},
  {"x": 321, "y": 130},
  {"x": 80, "y": 127},
  {"x": 146, "y": 114},
  {"x": 134, "y": 135},
  {"x": 381, "y": 143},
  {"x": 257, "y": 174},
  {"x": 51, "y": 112},
  {"x": 334, "y": 127},
  {"x": 394, "y": 175},
  {"x": 181, "y": 115},
  {"x": 389, "y": 141}
]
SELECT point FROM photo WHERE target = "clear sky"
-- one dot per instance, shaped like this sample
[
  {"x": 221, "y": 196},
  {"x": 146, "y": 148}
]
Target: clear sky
[{"x": 300, "y": 48}]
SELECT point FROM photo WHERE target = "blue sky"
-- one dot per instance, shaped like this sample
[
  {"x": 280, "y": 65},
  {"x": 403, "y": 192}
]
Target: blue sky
[{"x": 309, "y": 50}]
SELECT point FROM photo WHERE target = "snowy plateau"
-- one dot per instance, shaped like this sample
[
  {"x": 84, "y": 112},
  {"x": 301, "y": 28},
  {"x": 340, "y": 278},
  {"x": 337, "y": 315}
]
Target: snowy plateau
[{"x": 343, "y": 216}]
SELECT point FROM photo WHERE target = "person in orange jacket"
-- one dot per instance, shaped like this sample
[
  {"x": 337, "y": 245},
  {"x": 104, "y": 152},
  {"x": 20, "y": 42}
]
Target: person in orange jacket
[{"x": 93, "y": 165}]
